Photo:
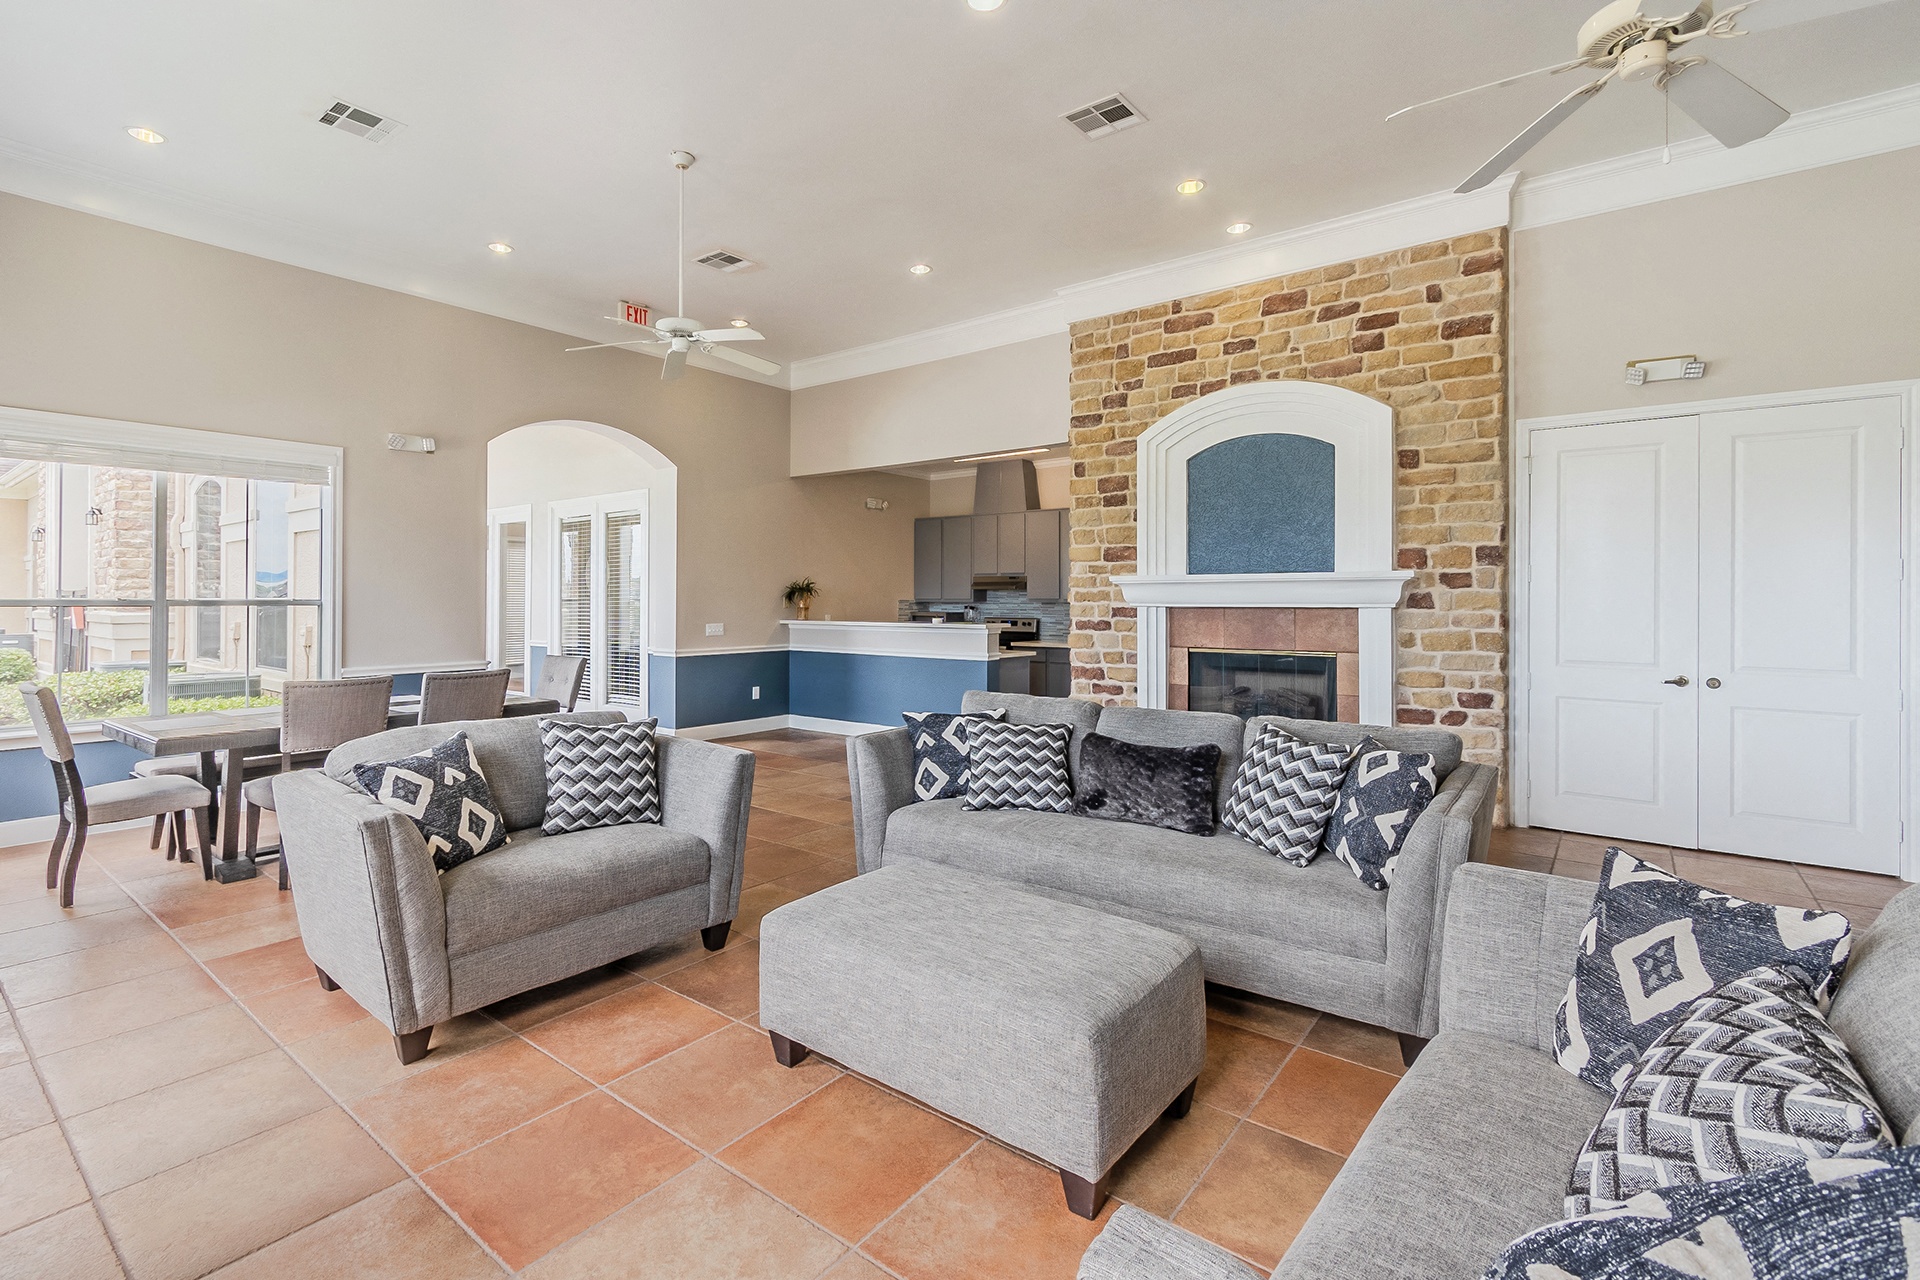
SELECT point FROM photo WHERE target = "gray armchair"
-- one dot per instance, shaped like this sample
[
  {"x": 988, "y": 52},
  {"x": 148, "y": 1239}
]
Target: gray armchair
[{"x": 416, "y": 947}]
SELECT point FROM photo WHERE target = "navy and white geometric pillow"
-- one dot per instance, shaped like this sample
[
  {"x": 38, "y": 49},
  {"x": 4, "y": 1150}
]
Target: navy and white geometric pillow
[
  {"x": 1284, "y": 793},
  {"x": 1751, "y": 1081},
  {"x": 446, "y": 795},
  {"x": 1018, "y": 766},
  {"x": 1384, "y": 793},
  {"x": 1655, "y": 943},
  {"x": 940, "y": 750},
  {"x": 599, "y": 775},
  {"x": 1833, "y": 1219}
]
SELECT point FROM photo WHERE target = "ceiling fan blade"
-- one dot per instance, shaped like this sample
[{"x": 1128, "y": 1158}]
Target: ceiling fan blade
[
  {"x": 1492, "y": 84},
  {"x": 631, "y": 342},
  {"x": 1766, "y": 15},
  {"x": 742, "y": 359},
  {"x": 1724, "y": 105},
  {"x": 1532, "y": 134},
  {"x": 676, "y": 363},
  {"x": 730, "y": 335}
]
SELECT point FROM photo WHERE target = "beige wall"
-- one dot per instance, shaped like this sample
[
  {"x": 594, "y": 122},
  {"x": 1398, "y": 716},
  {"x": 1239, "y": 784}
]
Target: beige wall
[
  {"x": 105, "y": 319},
  {"x": 1011, "y": 397},
  {"x": 1800, "y": 282}
]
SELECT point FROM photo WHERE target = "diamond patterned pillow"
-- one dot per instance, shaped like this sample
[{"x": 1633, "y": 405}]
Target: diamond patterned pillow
[
  {"x": 445, "y": 793},
  {"x": 1284, "y": 793},
  {"x": 940, "y": 750},
  {"x": 1838, "y": 1219},
  {"x": 1018, "y": 766},
  {"x": 1384, "y": 793},
  {"x": 599, "y": 775},
  {"x": 1655, "y": 943},
  {"x": 1751, "y": 1081}
]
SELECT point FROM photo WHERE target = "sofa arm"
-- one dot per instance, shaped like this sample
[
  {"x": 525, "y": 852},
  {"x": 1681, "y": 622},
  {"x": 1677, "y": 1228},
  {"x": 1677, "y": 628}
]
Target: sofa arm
[
  {"x": 1511, "y": 937},
  {"x": 880, "y": 771},
  {"x": 1452, "y": 830},
  {"x": 706, "y": 790},
  {"x": 1135, "y": 1245},
  {"x": 368, "y": 899}
]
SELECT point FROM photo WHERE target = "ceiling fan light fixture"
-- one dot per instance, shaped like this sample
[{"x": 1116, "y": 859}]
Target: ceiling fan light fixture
[
  {"x": 1191, "y": 187},
  {"x": 919, "y": 269},
  {"x": 738, "y": 322},
  {"x": 984, "y": 6},
  {"x": 1239, "y": 228},
  {"x": 148, "y": 136},
  {"x": 500, "y": 247}
]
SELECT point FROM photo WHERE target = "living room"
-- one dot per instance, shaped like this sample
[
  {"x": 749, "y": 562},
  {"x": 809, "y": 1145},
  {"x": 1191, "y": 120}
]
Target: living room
[{"x": 1076, "y": 722}]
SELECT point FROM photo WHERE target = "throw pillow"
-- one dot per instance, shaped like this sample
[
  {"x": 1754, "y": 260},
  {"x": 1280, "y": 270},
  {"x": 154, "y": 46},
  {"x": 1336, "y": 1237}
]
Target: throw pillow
[
  {"x": 445, "y": 792},
  {"x": 1168, "y": 787},
  {"x": 1751, "y": 1081},
  {"x": 1284, "y": 793},
  {"x": 599, "y": 775},
  {"x": 1384, "y": 793},
  {"x": 1018, "y": 766},
  {"x": 940, "y": 751},
  {"x": 1838, "y": 1219},
  {"x": 1655, "y": 943}
]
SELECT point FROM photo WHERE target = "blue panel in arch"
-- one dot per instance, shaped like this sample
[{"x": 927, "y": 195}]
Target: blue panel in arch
[{"x": 1261, "y": 504}]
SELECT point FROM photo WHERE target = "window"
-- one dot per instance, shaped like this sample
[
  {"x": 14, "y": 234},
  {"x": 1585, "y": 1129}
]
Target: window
[
  {"x": 136, "y": 579},
  {"x": 600, "y": 594}
]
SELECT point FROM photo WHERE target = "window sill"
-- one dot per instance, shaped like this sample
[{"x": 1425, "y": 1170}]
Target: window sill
[{"x": 82, "y": 734}]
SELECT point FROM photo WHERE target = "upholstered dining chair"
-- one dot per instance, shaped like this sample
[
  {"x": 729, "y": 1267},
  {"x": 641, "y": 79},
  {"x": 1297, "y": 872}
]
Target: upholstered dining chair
[
  {"x": 315, "y": 717},
  {"x": 128, "y": 800},
  {"x": 561, "y": 675},
  {"x": 463, "y": 695},
  {"x": 175, "y": 833}
]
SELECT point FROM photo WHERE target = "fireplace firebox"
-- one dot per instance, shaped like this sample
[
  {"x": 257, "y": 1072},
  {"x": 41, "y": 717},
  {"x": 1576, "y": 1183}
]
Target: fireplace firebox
[{"x": 1249, "y": 683}]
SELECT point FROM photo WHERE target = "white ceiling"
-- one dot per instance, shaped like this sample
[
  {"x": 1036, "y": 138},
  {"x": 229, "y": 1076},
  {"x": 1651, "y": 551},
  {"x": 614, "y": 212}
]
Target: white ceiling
[{"x": 840, "y": 141}]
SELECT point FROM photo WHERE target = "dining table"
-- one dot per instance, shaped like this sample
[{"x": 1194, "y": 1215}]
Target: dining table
[{"x": 224, "y": 740}]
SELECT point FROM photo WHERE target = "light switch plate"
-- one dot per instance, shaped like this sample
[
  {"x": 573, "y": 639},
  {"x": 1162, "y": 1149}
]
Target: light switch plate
[
  {"x": 716, "y": 628},
  {"x": 756, "y": 693}
]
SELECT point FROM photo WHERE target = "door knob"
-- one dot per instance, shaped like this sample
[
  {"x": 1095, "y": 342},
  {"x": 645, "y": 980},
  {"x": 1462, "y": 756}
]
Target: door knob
[
  {"x": 1681, "y": 682},
  {"x": 1713, "y": 682}
]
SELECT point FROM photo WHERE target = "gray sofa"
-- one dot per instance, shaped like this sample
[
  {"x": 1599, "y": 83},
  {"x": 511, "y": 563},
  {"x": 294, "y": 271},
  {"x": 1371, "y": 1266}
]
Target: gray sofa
[
  {"x": 416, "y": 947},
  {"x": 1313, "y": 935},
  {"x": 1473, "y": 1148}
]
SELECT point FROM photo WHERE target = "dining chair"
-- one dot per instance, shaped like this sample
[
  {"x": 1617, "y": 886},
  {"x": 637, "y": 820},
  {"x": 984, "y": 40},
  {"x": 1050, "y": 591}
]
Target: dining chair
[
  {"x": 315, "y": 717},
  {"x": 129, "y": 799},
  {"x": 463, "y": 695},
  {"x": 174, "y": 767},
  {"x": 561, "y": 675}
]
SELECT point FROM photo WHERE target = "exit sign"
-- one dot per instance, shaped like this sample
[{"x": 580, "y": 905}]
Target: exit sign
[{"x": 633, "y": 313}]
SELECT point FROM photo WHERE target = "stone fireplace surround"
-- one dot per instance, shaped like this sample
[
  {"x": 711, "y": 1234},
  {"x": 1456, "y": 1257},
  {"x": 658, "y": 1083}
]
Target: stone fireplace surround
[{"x": 1335, "y": 631}]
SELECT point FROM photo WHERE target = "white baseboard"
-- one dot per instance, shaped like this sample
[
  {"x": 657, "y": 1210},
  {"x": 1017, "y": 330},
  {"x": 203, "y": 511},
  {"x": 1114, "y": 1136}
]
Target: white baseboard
[
  {"x": 18, "y": 831},
  {"x": 845, "y": 728},
  {"x": 809, "y": 724}
]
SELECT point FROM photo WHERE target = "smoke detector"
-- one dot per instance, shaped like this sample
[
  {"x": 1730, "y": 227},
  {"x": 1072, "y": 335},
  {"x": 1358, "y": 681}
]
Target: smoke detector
[
  {"x": 725, "y": 260},
  {"x": 1109, "y": 115},
  {"x": 360, "y": 122}
]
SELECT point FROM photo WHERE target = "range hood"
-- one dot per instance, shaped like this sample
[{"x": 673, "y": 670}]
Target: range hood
[{"x": 1007, "y": 487}]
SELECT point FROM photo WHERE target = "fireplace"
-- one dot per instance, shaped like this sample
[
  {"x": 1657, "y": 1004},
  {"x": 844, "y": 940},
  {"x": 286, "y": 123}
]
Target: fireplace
[{"x": 1249, "y": 683}]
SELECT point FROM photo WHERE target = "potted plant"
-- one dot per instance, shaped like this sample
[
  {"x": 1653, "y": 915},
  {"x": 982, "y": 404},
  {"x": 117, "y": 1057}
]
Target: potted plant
[{"x": 800, "y": 593}]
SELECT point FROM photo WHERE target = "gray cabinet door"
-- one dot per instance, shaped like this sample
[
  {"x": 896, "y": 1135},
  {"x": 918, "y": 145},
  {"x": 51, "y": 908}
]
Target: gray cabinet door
[
  {"x": 1046, "y": 554},
  {"x": 986, "y": 544},
  {"x": 956, "y": 557},
  {"x": 1059, "y": 678},
  {"x": 1012, "y": 539},
  {"x": 926, "y": 559}
]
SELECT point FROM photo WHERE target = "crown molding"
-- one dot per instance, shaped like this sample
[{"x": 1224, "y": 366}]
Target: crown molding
[
  {"x": 963, "y": 337},
  {"x": 1812, "y": 139}
]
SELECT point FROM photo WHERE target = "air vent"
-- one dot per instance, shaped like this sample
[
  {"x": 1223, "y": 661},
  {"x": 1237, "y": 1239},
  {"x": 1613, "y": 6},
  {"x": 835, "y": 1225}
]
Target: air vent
[
  {"x": 723, "y": 260},
  {"x": 359, "y": 122},
  {"x": 1109, "y": 115}
]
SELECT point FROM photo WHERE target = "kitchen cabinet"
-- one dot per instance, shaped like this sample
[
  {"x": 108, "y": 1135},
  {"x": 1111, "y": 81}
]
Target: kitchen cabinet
[
  {"x": 928, "y": 561},
  {"x": 1010, "y": 551},
  {"x": 949, "y": 551},
  {"x": 1052, "y": 673},
  {"x": 986, "y": 544},
  {"x": 956, "y": 558},
  {"x": 1046, "y": 561}
]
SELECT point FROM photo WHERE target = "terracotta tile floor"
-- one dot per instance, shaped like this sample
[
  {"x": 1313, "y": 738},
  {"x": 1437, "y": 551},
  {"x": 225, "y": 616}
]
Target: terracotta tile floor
[{"x": 179, "y": 1098}]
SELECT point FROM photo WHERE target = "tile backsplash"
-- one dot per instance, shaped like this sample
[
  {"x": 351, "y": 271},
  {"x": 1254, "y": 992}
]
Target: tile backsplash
[{"x": 1054, "y": 622}]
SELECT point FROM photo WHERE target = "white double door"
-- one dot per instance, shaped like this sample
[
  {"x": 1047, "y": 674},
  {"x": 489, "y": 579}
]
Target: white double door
[{"x": 1714, "y": 623}]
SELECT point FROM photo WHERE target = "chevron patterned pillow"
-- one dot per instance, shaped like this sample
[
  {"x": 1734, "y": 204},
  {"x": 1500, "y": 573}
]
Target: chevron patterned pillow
[
  {"x": 1753, "y": 1080},
  {"x": 1018, "y": 766},
  {"x": 599, "y": 775},
  {"x": 1285, "y": 792}
]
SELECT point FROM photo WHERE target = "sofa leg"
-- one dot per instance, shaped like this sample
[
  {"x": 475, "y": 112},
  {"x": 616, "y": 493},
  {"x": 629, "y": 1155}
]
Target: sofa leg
[
  {"x": 1083, "y": 1197},
  {"x": 412, "y": 1046},
  {"x": 1410, "y": 1047},
  {"x": 1178, "y": 1108},
  {"x": 326, "y": 983},
  {"x": 788, "y": 1053},
  {"x": 714, "y": 936}
]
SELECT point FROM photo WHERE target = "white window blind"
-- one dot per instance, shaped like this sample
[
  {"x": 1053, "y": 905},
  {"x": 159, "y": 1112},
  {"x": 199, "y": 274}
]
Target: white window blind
[
  {"x": 626, "y": 599},
  {"x": 576, "y": 589}
]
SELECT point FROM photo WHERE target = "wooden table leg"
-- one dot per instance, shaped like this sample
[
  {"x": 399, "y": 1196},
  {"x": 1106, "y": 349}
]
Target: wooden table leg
[
  {"x": 210, "y": 779},
  {"x": 231, "y": 866}
]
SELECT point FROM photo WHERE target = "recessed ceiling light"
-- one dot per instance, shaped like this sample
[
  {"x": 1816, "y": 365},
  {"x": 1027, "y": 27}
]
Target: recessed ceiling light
[
  {"x": 147, "y": 136},
  {"x": 984, "y": 6},
  {"x": 501, "y": 247},
  {"x": 738, "y": 323},
  {"x": 1239, "y": 228},
  {"x": 1192, "y": 186},
  {"x": 919, "y": 268}
]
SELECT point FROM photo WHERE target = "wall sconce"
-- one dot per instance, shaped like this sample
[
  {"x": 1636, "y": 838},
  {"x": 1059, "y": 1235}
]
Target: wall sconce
[
  {"x": 39, "y": 533},
  {"x": 1665, "y": 369},
  {"x": 93, "y": 515}
]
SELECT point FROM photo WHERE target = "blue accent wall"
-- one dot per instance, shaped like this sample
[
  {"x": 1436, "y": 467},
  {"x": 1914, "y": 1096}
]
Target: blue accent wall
[
  {"x": 407, "y": 684},
  {"x": 26, "y": 779},
  {"x": 1261, "y": 504},
  {"x": 717, "y": 688},
  {"x": 876, "y": 688}
]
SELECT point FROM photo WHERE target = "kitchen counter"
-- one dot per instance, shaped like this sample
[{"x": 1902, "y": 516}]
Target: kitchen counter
[
  {"x": 979, "y": 641},
  {"x": 1041, "y": 644},
  {"x": 854, "y": 676}
]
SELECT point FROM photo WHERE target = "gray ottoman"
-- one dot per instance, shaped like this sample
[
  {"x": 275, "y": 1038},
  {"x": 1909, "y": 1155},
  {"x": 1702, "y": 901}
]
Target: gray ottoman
[{"x": 1055, "y": 1028}]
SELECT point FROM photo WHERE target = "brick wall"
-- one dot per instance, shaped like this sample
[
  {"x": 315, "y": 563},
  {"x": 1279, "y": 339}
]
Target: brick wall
[{"x": 1423, "y": 329}]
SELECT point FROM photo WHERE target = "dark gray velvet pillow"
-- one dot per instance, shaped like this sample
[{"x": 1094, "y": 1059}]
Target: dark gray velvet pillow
[{"x": 1168, "y": 787}]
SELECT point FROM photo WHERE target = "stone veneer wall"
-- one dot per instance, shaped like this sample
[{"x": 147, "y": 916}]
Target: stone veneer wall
[{"x": 1423, "y": 329}]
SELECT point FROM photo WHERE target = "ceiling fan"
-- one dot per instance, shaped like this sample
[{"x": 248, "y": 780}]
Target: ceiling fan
[
  {"x": 1625, "y": 44},
  {"x": 681, "y": 335}
]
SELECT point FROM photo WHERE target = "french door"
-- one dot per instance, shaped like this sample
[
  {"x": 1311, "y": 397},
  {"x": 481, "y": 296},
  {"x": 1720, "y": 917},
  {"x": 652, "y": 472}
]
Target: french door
[
  {"x": 1714, "y": 650},
  {"x": 599, "y": 595}
]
